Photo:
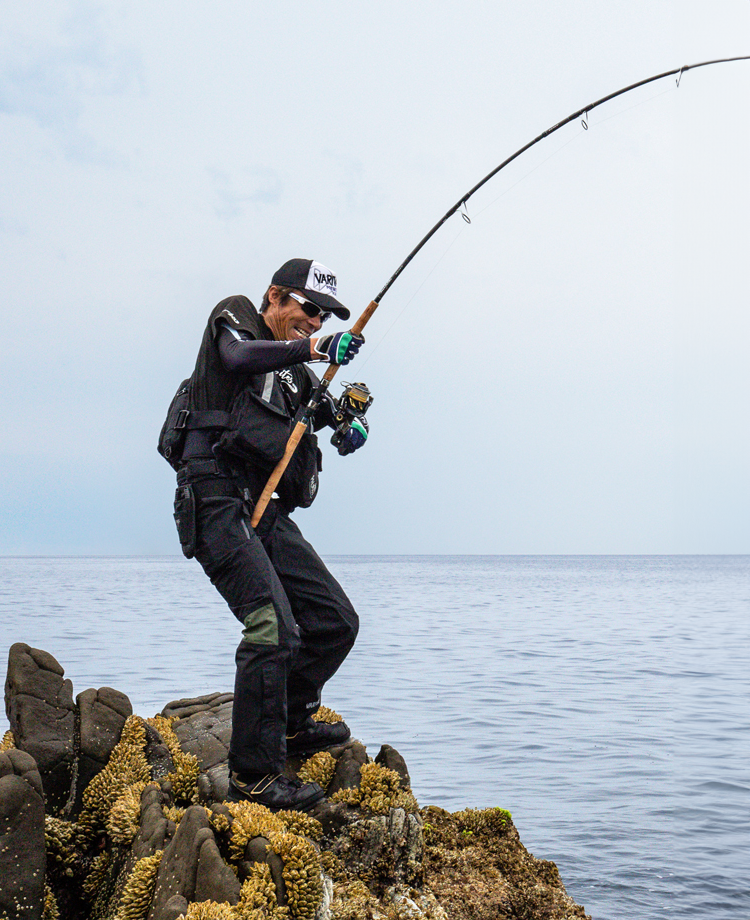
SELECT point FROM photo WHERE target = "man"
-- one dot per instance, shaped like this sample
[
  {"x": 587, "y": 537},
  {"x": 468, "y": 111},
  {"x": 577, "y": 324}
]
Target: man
[{"x": 250, "y": 379}]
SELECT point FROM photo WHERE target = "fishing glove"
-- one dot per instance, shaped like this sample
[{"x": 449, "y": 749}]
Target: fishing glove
[
  {"x": 338, "y": 348},
  {"x": 355, "y": 436}
]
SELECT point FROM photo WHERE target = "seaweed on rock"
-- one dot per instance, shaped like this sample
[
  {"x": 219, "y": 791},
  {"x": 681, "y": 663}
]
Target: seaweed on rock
[
  {"x": 379, "y": 790},
  {"x": 258, "y": 895},
  {"x": 324, "y": 714},
  {"x": 126, "y": 767},
  {"x": 139, "y": 889},
  {"x": 304, "y": 886},
  {"x": 184, "y": 779},
  {"x": 123, "y": 817},
  {"x": 318, "y": 769},
  {"x": 8, "y": 743}
]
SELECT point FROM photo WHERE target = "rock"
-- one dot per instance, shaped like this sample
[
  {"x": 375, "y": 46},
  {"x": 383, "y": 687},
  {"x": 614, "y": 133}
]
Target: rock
[
  {"x": 179, "y": 865},
  {"x": 389, "y": 757},
  {"x": 203, "y": 728},
  {"x": 40, "y": 709},
  {"x": 182, "y": 709},
  {"x": 102, "y": 714},
  {"x": 214, "y": 880},
  {"x": 348, "y": 767},
  {"x": 155, "y": 830},
  {"x": 257, "y": 851},
  {"x": 378, "y": 854},
  {"x": 174, "y": 907},
  {"x": 157, "y": 754},
  {"x": 386, "y": 845},
  {"x": 22, "y": 855},
  {"x": 19, "y": 763}
]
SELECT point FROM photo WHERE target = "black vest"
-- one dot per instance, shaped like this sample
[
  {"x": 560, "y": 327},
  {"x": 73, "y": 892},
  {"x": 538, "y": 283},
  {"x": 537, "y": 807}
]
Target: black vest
[{"x": 261, "y": 408}]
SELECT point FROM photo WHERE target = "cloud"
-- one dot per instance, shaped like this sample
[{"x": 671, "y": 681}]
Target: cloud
[{"x": 52, "y": 76}]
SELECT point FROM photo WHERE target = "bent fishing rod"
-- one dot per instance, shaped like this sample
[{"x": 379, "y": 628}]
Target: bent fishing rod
[{"x": 312, "y": 406}]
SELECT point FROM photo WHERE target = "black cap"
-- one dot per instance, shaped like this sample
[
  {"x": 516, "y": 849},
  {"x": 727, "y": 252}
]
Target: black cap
[{"x": 315, "y": 281}]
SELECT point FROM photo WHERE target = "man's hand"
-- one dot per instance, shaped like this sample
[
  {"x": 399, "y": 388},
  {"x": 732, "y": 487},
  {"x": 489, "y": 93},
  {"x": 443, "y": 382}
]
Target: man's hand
[
  {"x": 355, "y": 437},
  {"x": 338, "y": 348}
]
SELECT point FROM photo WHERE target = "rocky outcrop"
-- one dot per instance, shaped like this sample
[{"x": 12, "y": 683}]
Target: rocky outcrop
[
  {"x": 101, "y": 717},
  {"x": 22, "y": 854},
  {"x": 149, "y": 836},
  {"x": 40, "y": 709}
]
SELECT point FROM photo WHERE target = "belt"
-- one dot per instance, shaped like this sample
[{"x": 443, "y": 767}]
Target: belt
[{"x": 209, "y": 478}]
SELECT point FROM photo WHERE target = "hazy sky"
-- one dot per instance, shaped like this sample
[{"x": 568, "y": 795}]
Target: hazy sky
[{"x": 568, "y": 374}]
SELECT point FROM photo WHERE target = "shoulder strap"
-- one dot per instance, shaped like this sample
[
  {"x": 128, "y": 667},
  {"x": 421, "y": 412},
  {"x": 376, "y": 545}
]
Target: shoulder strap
[{"x": 202, "y": 418}]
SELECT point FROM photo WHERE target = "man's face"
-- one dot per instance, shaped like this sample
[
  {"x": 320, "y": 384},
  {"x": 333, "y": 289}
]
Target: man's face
[{"x": 287, "y": 320}]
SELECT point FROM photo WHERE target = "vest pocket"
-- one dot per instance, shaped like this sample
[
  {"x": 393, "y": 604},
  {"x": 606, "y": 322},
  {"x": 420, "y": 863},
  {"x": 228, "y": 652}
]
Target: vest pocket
[{"x": 257, "y": 431}]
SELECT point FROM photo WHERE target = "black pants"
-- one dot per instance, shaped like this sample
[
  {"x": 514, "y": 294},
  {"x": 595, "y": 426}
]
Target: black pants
[{"x": 298, "y": 623}]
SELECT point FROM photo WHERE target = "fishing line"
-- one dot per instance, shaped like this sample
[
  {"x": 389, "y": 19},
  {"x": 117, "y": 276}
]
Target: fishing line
[
  {"x": 467, "y": 220},
  {"x": 574, "y": 138},
  {"x": 526, "y": 175},
  {"x": 371, "y": 351}
]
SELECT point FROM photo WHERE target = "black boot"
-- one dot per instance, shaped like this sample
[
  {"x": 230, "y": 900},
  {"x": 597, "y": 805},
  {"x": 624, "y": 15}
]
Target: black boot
[
  {"x": 275, "y": 791},
  {"x": 315, "y": 736}
]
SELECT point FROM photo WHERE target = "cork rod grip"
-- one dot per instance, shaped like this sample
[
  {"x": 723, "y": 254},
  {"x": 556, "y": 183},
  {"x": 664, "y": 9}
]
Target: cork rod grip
[
  {"x": 300, "y": 428},
  {"x": 275, "y": 477}
]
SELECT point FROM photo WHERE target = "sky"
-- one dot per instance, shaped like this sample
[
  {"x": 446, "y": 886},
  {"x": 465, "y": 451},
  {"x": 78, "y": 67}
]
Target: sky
[{"x": 566, "y": 374}]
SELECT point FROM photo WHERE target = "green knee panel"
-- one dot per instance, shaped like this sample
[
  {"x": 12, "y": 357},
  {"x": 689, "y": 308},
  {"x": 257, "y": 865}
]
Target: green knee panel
[{"x": 261, "y": 626}]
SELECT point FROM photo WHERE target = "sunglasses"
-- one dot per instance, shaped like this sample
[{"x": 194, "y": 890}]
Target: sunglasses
[{"x": 310, "y": 308}]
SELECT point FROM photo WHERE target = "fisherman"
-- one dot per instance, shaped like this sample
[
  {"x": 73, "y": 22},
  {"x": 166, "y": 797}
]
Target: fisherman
[{"x": 250, "y": 379}]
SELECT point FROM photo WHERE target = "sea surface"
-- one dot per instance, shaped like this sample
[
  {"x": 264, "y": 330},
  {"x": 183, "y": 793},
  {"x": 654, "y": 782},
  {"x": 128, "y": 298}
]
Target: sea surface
[{"x": 603, "y": 700}]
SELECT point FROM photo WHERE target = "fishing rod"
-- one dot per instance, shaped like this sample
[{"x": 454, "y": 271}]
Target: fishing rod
[{"x": 320, "y": 391}]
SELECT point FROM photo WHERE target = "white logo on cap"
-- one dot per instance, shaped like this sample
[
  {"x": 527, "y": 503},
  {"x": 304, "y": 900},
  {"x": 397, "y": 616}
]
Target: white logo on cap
[{"x": 321, "y": 279}]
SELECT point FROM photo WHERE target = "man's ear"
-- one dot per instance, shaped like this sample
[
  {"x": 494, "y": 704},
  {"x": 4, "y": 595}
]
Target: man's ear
[{"x": 273, "y": 295}]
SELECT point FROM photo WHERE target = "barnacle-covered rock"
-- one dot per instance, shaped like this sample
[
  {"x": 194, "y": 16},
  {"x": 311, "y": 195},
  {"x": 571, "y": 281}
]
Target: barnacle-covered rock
[
  {"x": 101, "y": 717},
  {"x": 324, "y": 714},
  {"x": 41, "y": 712},
  {"x": 59, "y": 839},
  {"x": 381, "y": 850},
  {"x": 349, "y": 763},
  {"x": 50, "y": 910},
  {"x": 203, "y": 726},
  {"x": 8, "y": 741},
  {"x": 258, "y": 894},
  {"x": 124, "y": 816},
  {"x": 142, "y": 849},
  {"x": 249, "y": 820},
  {"x": 480, "y": 850},
  {"x": 184, "y": 779},
  {"x": 139, "y": 889},
  {"x": 297, "y": 822},
  {"x": 379, "y": 790},
  {"x": 22, "y": 850},
  {"x": 127, "y": 766},
  {"x": 97, "y": 875},
  {"x": 318, "y": 769},
  {"x": 483, "y": 820},
  {"x": 353, "y": 900},
  {"x": 208, "y": 910},
  {"x": 302, "y": 876}
]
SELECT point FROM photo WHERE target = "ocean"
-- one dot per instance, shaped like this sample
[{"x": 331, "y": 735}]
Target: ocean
[{"x": 603, "y": 700}]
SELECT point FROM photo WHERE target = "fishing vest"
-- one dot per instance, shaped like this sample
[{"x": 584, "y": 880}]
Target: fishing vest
[{"x": 261, "y": 407}]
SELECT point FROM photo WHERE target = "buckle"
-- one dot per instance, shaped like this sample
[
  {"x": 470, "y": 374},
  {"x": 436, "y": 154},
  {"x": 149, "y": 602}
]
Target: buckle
[{"x": 182, "y": 417}]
